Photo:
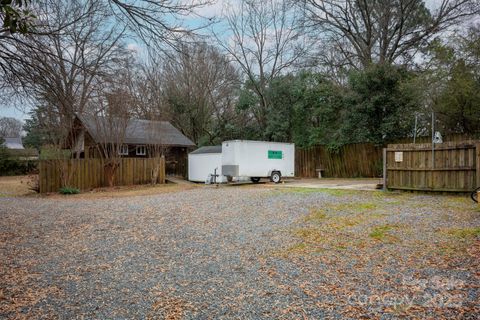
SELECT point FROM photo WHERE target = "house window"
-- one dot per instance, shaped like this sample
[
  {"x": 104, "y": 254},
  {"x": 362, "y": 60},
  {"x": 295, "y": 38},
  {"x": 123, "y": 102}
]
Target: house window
[
  {"x": 141, "y": 150},
  {"x": 123, "y": 150}
]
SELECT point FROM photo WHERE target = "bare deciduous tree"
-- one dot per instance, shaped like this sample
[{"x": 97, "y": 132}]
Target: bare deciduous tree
[
  {"x": 156, "y": 23},
  {"x": 199, "y": 89},
  {"x": 111, "y": 120},
  {"x": 265, "y": 40},
  {"x": 147, "y": 85},
  {"x": 56, "y": 131},
  {"x": 156, "y": 149},
  {"x": 61, "y": 70},
  {"x": 364, "y": 32},
  {"x": 10, "y": 127}
]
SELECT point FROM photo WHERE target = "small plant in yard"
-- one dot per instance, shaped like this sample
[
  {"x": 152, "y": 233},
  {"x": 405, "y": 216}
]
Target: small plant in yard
[
  {"x": 382, "y": 233},
  {"x": 465, "y": 233},
  {"x": 69, "y": 190}
]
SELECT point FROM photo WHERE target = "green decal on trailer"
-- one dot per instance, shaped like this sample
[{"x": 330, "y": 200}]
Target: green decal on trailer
[{"x": 272, "y": 154}]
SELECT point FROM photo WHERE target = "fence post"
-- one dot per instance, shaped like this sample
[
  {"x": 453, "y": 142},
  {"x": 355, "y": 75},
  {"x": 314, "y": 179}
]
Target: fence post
[
  {"x": 477, "y": 163},
  {"x": 162, "y": 169},
  {"x": 41, "y": 173},
  {"x": 384, "y": 169}
]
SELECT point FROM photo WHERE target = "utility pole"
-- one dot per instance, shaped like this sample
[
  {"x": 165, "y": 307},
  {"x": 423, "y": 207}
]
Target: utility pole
[
  {"x": 415, "y": 129},
  {"x": 433, "y": 139}
]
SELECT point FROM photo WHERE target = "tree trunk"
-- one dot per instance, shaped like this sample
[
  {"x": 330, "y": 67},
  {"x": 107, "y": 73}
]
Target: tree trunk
[
  {"x": 110, "y": 169},
  {"x": 156, "y": 169}
]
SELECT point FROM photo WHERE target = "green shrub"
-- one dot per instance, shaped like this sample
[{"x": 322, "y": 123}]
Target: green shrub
[
  {"x": 69, "y": 190},
  {"x": 13, "y": 167},
  {"x": 10, "y": 166}
]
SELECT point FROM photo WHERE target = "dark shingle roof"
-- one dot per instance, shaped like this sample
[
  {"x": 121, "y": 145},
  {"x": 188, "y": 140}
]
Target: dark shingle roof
[
  {"x": 140, "y": 132},
  {"x": 209, "y": 149}
]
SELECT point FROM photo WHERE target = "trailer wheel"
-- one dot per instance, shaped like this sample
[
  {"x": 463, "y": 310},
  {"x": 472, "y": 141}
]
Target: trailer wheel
[
  {"x": 255, "y": 179},
  {"x": 275, "y": 177}
]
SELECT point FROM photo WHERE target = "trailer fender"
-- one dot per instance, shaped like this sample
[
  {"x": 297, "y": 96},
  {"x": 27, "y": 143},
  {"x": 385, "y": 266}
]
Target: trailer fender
[{"x": 272, "y": 171}]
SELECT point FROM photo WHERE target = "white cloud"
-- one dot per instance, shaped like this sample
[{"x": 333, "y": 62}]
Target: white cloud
[
  {"x": 134, "y": 48},
  {"x": 212, "y": 10}
]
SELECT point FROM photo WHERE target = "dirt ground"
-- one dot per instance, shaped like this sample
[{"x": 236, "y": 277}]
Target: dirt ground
[
  {"x": 239, "y": 252},
  {"x": 18, "y": 186},
  {"x": 15, "y": 186}
]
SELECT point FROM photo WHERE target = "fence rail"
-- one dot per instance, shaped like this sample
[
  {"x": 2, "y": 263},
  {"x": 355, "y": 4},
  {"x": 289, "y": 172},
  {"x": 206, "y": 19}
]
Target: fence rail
[
  {"x": 450, "y": 167},
  {"x": 349, "y": 161},
  {"x": 86, "y": 174}
]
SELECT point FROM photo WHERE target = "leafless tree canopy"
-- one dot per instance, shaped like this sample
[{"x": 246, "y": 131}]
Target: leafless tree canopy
[
  {"x": 199, "y": 88},
  {"x": 158, "y": 23},
  {"x": 62, "y": 71},
  {"x": 365, "y": 32},
  {"x": 147, "y": 85},
  {"x": 10, "y": 127},
  {"x": 265, "y": 40}
]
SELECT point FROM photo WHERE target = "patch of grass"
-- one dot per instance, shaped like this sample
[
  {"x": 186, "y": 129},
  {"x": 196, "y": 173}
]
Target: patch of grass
[
  {"x": 300, "y": 190},
  {"x": 354, "y": 207},
  {"x": 465, "y": 233},
  {"x": 309, "y": 234},
  {"x": 333, "y": 216},
  {"x": 316, "y": 240},
  {"x": 297, "y": 190},
  {"x": 350, "y": 207},
  {"x": 299, "y": 247},
  {"x": 336, "y": 192},
  {"x": 335, "y": 226},
  {"x": 382, "y": 233},
  {"x": 458, "y": 199},
  {"x": 379, "y": 232},
  {"x": 341, "y": 223},
  {"x": 316, "y": 215},
  {"x": 366, "y": 206}
]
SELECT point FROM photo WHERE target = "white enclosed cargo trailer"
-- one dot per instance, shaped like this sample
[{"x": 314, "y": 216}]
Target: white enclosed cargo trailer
[
  {"x": 203, "y": 162},
  {"x": 258, "y": 159}
]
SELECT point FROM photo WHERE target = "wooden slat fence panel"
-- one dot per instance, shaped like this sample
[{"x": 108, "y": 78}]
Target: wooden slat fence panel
[
  {"x": 87, "y": 174},
  {"x": 451, "y": 166},
  {"x": 349, "y": 161}
]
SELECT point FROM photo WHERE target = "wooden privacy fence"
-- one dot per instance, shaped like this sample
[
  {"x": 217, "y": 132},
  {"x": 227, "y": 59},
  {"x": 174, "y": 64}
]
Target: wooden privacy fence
[
  {"x": 349, "y": 161},
  {"x": 87, "y": 174},
  {"x": 451, "y": 166}
]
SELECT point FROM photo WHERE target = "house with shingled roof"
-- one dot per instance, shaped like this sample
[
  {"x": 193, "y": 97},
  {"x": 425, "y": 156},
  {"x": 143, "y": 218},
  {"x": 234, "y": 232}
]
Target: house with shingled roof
[{"x": 140, "y": 136}]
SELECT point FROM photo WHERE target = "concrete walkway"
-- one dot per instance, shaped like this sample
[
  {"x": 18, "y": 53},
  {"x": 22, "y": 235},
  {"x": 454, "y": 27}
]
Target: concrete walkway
[
  {"x": 178, "y": 180},
  {"x": 330, "y": 183},
  {"x": 324, "y": 183}
]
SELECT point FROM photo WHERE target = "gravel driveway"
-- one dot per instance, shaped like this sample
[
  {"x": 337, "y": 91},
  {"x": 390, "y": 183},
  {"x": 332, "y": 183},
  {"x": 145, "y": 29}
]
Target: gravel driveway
[{"x": 240, "y": 252}]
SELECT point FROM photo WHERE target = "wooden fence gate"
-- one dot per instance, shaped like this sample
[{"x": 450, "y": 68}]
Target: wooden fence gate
[
  {"x": 86, "y": 174},
  {"x": 450, "y": 167}
]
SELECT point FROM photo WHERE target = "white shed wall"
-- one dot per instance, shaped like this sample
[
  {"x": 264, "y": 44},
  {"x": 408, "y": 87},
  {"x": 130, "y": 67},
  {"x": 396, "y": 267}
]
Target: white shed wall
[{"x": 202, "y": 164}]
